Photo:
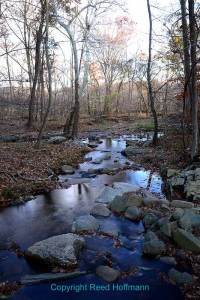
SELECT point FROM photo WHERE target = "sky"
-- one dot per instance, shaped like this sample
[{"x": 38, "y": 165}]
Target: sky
[{"x": 139, "y": 13}]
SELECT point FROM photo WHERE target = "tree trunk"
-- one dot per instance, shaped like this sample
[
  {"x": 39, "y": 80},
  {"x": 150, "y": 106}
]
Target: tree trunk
[
  {"x": 107, "y": 100},
  {"x": 76, "y": 80},
  {"x": 186, "y": 46},
  {"x": 39, "y": 38},
  {"x": 150, "y": 90},
  {"x": 193, "y": 91},
  {"x": 47, "y": 54}
]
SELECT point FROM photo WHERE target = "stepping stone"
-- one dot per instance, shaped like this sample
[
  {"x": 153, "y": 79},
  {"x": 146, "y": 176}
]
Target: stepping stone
[
  {"x": 108, "y": 274},
  {"x": 61, "y": 250}
]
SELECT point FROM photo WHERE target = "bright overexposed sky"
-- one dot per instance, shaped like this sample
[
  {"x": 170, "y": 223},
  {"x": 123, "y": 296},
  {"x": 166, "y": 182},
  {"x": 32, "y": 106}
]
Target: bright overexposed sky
[{"x": 139, "y": 13}]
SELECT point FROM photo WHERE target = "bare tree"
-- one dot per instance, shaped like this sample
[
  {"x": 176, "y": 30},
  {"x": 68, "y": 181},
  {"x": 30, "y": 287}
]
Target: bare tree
[
  {"x": 39, "y": 38},
  {"x": 186, "y": 60},
  {"x": 193, "y": 91},
  {"x": 150, "y": 90},
  {"x": 49, "y": 70}
]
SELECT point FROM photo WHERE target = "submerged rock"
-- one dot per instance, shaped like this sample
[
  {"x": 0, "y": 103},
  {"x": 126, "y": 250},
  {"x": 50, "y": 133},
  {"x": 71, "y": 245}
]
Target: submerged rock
[
  {"x": 100, "y": 210},
  {"x": 61, "y": 250},
  {"x": 168, "y": 260},
  {"x": 186, "y": 240},
  {"x": 110, "y": 229},
  {"x": 154, "y": 247},
  {"x": 180, "y": 277},
  {"x": 85, "y": 223},
  {"x": 126, "y": 243},
  {"x": 108, "y": 274}
]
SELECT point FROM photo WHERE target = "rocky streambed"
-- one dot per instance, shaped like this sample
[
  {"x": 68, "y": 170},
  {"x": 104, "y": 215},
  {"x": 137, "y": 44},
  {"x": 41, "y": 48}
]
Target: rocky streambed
[{"x": 110, "y": 222}]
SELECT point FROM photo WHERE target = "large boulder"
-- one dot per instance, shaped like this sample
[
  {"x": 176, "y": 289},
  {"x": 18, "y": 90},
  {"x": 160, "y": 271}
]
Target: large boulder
[
  {"x": 186, "y": 240},
  {"x": 100, "y": 210},
  {"x": 180, "y": 277},
  {"x": 61, "y": 250},
  {"x": 108, "y": 274},
  {"x": 154, "y": 247},
  {"x": 133, "y": 213},
  {"x": 85, "y": 223}
]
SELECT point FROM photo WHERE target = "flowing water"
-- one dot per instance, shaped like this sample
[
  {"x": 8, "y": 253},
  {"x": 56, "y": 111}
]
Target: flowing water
[{"x": 53, "y": 214}]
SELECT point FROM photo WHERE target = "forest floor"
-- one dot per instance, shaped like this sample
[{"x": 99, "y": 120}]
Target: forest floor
[{"x": 26, "y": 171}]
